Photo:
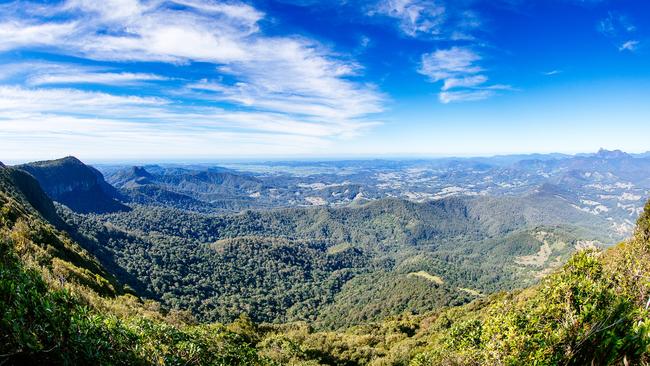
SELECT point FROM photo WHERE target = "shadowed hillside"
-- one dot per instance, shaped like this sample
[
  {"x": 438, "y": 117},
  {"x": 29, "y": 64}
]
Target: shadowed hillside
[
  {"x": 76, "y": 185},
  {"x": 59, "y": 306}
]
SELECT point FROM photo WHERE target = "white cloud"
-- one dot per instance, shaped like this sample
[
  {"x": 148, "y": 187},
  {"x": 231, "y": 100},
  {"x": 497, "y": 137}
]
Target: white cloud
[
  {"x": 552, "y": 72},
  {"x": 106, "y": 78},
  {"x": 19, "y": 102},
  {"x": 629, "y": 46},
  {"x": 458, "y": 68},
  {"x": 98, "y": 138},
  {"x": 17, "y": 33},
  {"x": 16, "y": 100},
  {"x": 36, "y": 73},
  {"x": 615, "y": 25},
  {"x": 432, "y": 19},
  {"x": 365, "y": 42},
  {"x": 443, "y": 64},
  {"x": 464, "y": 95},
  {"x": 619, "y": 28},
  {"x": 97, "y": 124},
  {"x": 316, "y": 87},
  {"x": 237, "y": 11},
  {"x": 280, "y": 85},
  {"x": 464, "y": 82},
  {"x": 415, "y": 16}
]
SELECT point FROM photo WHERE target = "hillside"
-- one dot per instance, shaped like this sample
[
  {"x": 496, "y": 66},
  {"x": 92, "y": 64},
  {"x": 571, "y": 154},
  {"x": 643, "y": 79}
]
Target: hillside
[
  {"x": 338, "y": 266},
  {"x": 593, "y": 310},
  {"x": 211, "y": 190},
  {"x": 74, "y": 184},
  {"x": 331, "y": 266},
  {"x": 60, "y": 305},
  {"x": 610, "y": 185}
]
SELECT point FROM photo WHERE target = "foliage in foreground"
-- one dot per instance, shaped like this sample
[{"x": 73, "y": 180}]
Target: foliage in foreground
[
  {"x": 57, "y": 308},
  {"x": 591, "y": 311}
]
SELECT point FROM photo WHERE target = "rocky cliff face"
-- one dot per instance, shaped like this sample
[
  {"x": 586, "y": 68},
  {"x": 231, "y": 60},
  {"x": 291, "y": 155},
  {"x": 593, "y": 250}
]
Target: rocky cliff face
[{"x": 80, "y": 187}]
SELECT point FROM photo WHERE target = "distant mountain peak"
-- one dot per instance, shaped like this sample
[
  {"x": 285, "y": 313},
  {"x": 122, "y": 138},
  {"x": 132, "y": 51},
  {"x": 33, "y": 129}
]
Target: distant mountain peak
[
  {"x": 140, "y": 171},
  {"x": 2, "y": 166},
  {"x": 132, "y": 176},
  {"x": 612, "y": 154}
]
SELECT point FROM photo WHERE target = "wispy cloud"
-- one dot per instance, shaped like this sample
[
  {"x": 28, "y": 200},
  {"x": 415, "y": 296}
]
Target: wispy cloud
[
  {"x": 465, "y": 95},
  {"x": 615, "y": 24},
  {"x": 414, "y": 16},
  {"x": 93, "y": 137},
  {"x": 16, "y": 33},
  {"x": 36, "y": 73},
  {"x": 105, "y": 78},
  {"x": 552, "y": 72},
  {"x": 455, "y": 22},
  {"x": 619, "y": 28},
  {"x": 433, "y": 19},
  {"x": 464, "y": 82},
  {"x": 629, "y": 46},
  {"x": 449, "y": 63},
  {"x": 157, "y": 112},
  {"x": 133, "y": 125},
  {"x": 282, "y": 85},
  {"x": 458, "y": 68}
]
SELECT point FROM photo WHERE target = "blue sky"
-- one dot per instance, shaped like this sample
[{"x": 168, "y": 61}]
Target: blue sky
[{"x": 202, "y": 79}]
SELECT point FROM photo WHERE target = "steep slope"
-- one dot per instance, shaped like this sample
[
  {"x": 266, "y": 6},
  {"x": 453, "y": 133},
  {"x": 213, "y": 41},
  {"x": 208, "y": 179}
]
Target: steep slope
[
  {"x": 14, "y": 179},
  {"x": 592, "y": 311},
  {"x": 76, "y": 185},
  {"x": 59, "y": 306}
]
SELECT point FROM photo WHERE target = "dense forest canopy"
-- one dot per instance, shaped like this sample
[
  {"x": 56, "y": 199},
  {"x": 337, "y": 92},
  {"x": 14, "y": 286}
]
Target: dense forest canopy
[
  {"x": 385, "y": 281},
  {"x": 295, "y": 264}
]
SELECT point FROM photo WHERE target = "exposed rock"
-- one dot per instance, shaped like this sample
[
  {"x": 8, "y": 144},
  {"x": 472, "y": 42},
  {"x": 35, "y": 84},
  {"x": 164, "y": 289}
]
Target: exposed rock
[{"x": 76, "y": 185}]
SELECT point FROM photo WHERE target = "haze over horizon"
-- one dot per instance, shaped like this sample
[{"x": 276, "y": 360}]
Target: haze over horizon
[
  {"x": 225, "y": 160},
  {"x": 204, "y": 80}
]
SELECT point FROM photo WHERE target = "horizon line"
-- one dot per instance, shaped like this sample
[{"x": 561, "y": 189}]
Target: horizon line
[{"x": 314, "y": 158}]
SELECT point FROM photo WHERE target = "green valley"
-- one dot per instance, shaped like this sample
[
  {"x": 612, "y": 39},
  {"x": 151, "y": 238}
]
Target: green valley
[{"x": 389, "y": 281}]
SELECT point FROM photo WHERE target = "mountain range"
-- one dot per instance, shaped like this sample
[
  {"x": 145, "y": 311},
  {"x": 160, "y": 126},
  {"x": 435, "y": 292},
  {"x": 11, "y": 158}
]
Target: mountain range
[
  {"x": 162, "y": 230},
  {"x": 373, "y": 281},
  {"x": 608, "y": 184}
]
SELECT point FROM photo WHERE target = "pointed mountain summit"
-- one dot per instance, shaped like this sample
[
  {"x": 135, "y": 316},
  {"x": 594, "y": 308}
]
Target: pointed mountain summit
[{"x": 131, "y": 177}]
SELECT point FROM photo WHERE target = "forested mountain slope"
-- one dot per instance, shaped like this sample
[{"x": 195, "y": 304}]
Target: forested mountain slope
[
  {"x": 337, "y": 266},
  {"x": 592, "y": 311},
  {"x": 209, "y": 190},
  {"x": 330, "y": 266},
  {"x": 59, "y": 305}
]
